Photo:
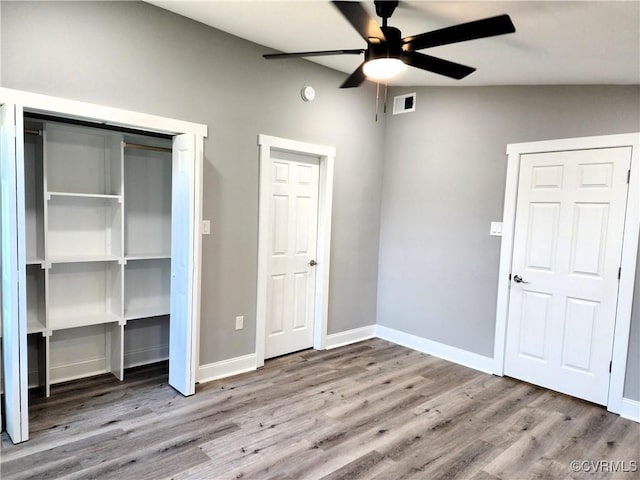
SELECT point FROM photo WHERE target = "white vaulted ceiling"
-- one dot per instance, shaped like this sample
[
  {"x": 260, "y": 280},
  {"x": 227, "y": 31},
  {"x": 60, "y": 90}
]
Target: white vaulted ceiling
[{"x": 556, "y": 42}]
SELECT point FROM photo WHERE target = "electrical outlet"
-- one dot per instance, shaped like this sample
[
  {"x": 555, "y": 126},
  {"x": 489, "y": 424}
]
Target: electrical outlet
[{"x": 239, "y": 323}]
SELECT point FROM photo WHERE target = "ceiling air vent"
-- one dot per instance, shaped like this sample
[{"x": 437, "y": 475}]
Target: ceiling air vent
[{"x": 404, "y": 103}]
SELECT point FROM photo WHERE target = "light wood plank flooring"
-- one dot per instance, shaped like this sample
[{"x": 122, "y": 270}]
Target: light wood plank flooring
[{"x": 372, "y": 410}]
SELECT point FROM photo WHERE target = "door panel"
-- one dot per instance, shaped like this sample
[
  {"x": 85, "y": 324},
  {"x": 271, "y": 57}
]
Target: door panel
[
  {"x": 293, "y": 220},
  {"x": 589, "y": 239},
  {"x": 567, "y": 250},
  {"x": 579, "y": 323},
  {"x": 535, "y": 319},
  {"x": 276, "y": 303},
  {"x": 181, "y": 329},
  {"x": 14, "y": 315},
  {"x": 543, "y": 237}
]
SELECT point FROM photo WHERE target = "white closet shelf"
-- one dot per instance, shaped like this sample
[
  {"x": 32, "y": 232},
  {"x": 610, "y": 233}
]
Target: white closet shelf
[
  {"x": 65, "y": 321},
  {"x": 146, "y": 311},
  {"x": 35, "y": 261},
  {"x": 35, "y": 325},
  {"x": 147, "y": 256},
  {"x": 51, "y": 195},
  {"x": 85, "y": 259}
]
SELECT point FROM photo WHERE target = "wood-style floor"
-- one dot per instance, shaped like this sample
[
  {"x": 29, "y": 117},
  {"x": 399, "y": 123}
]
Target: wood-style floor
[{"x": 372, "y": 410}]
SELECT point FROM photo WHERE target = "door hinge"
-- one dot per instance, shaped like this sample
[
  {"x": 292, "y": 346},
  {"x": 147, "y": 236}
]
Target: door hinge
[
  {"x": 619, "y": 272},
  {"x": 610, "y": 365},
  {"x": 629, "y": 176}
]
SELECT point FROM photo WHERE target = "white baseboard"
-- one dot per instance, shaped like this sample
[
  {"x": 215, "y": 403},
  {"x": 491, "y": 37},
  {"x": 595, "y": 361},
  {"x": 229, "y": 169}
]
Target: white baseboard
[
  {"x": 446, "y": 352},
  {"x": 630, "y": 409},
  {"x": 76, "y": 370},
  {"x": 144, "y": 356},
  {"x": 96, "y": 366},
  {"x": 227, "y": 368},
  {"x": 348, "y": 337}
]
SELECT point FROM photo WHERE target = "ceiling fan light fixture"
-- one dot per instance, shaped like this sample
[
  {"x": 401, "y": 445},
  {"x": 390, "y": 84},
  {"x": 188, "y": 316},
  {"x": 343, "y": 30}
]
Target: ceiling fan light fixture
[{"x": 384, "y": 68}]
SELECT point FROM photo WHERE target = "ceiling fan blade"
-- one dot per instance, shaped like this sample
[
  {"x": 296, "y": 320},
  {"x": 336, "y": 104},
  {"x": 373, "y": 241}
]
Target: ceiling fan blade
[
  {"x": 437, "y": 65},
  {"x": 356, "y": 78},
  {"x": 488, "y": 27},
  {"x": 356, "y": 51},
  {"x": 359, "y": 19}
]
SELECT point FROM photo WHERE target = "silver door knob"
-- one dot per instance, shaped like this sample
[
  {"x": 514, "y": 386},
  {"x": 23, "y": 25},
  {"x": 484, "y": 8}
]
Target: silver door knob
[
  {"x": 313, "y": 263},
  {"x": 518, "y": 279}
]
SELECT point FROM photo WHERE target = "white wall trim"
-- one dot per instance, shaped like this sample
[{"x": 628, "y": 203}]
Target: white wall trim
[
  {"x": 630, "y": 409},
  {"x": 36, "y": 102},
  {"x": 76, "y": 370},
  {"x": 440, "y": 350},
  {"x": 144, "y": 356},
  {"x": 626, "y": 285},
  {"x": 348, "y": 337},
  {"x": 227, "y": 368},
  {"x": 326, "y": 156},
  {"x": 629, "y": 250}
]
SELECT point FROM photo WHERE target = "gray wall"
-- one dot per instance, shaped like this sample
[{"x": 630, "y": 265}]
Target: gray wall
[
  {"x": 444, "y": 178},
  {"x": 135, "y": 56}
]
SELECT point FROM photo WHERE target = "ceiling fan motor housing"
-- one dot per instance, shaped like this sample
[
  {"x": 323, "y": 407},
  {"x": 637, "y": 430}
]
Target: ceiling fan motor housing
[{"x": 391, "y": 48}]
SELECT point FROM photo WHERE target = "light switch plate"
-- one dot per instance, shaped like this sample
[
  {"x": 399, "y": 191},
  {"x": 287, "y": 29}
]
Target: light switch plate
[
  {"x": 206, "y": 227},
  {"x": 239, "y": 322},
  {"x": 496, "y": 229}
]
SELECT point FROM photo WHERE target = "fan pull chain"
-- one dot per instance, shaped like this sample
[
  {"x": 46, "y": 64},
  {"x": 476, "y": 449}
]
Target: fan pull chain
[{"x": 386, "y": 90}]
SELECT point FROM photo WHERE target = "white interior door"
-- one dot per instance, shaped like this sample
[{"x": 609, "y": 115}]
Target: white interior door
[
  {"x": 292, "y": 244},
  {"x": 14, "y": 315},
  {"x": 567, "y": 252},
  {"x": 182, "y": 331}
]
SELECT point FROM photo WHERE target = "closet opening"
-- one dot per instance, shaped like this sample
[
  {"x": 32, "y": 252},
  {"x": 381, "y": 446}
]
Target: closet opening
[
  {"x": 100, "y": 245},
  {"x": 98, "y": 249}
]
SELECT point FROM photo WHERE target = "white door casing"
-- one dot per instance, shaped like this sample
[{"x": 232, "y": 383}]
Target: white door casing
[
  {"x": 13, "y": 291},
  {"x": 325, "y": 155},
  {"x": 516, "y": 152},
  {"x": 567, "y": 247},
  {"x": 292, "y": 243},
  {"x": 182, "y": 333}
]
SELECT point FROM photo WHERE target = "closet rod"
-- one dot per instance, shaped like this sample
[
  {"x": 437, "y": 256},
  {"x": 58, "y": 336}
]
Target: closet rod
[
  {"x": 33, "y": 132},
  {"x": 147, "y": 147}
]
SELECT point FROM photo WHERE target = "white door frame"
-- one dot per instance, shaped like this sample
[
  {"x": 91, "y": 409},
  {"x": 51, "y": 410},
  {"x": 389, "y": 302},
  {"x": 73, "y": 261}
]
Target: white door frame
[
  {"x": 325, "y": 201},
  {"x": 100, "y": 114},
  {"x": 629, "y": 250}
]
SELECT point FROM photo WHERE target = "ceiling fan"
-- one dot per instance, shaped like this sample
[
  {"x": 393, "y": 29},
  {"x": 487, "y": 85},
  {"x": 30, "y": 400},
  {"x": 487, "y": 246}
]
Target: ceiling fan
[{"x": 388, "y": 53}]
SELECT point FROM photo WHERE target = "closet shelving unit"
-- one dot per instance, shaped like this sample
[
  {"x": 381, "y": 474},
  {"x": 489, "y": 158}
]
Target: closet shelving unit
[{"x": 98, "y": 242}]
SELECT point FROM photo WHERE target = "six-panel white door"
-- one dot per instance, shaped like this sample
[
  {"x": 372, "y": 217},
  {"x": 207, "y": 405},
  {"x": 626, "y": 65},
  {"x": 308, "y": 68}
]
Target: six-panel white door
[
  {"x": 293, "y": 229},
  {"x": 567, "y": 252}
]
